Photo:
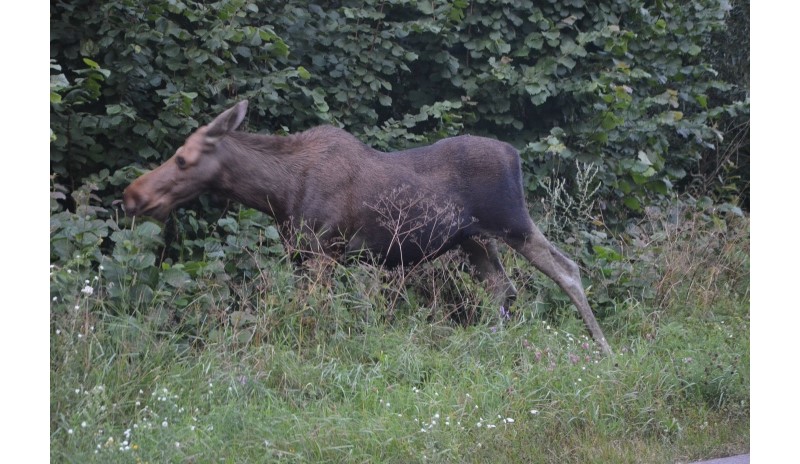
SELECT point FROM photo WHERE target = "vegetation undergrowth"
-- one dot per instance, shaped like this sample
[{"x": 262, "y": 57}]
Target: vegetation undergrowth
[
  {"x": 234, "y": 353},
  {"x": 200, "y": 339}
]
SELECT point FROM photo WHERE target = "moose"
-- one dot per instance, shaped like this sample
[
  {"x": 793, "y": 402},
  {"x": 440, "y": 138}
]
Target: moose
[{"x": 402, "y": 208}]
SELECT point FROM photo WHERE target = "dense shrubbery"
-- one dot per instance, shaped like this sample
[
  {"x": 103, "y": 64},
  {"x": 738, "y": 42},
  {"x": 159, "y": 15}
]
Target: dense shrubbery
[
  {"x": 627, "y": 86},
  {"x": 614, "y": 106},
  {"x": 632, "y": 120}
]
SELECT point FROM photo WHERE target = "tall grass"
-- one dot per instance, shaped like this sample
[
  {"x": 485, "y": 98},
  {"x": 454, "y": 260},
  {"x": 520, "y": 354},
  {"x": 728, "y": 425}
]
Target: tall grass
[{"x": 353, "y": 364}]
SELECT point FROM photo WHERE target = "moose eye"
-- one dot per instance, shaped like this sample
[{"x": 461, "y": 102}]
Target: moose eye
[{"x": 181, "y": 161}]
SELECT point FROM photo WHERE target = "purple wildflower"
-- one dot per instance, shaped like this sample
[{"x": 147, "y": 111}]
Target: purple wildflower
[{"x": 504, "y": 313}]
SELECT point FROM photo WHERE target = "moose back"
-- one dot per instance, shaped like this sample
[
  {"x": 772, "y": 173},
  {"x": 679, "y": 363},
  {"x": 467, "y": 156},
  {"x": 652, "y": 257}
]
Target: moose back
[{"x": 402, "y": 207}]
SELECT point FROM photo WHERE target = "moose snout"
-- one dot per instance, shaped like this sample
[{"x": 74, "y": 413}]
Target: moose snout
[
  {"x": 139, "y": 199},
  {"x": 132, "y": 201}
]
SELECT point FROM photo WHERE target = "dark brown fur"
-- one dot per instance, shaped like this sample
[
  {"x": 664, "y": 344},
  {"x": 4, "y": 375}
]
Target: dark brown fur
[{"x": 402, "y": 207}]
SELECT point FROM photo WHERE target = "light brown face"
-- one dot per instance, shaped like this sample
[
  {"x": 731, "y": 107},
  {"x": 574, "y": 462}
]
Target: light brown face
[
  {"x": 189, "y": 172},
  {"x": 193, "y": 169}
]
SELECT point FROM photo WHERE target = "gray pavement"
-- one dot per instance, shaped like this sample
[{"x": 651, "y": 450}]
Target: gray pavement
[{"x": 741, "y": 459}]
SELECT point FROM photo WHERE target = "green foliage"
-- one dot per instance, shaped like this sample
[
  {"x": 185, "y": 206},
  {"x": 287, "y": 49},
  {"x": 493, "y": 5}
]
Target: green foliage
[
  {"x": 615, "y": 107},
  {"x": 625, "y": 86},
  {"x": 725, "y": 172}
]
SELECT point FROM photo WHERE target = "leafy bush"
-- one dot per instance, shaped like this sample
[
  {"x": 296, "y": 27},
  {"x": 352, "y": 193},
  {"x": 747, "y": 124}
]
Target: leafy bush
[
  {"x": 612, "y": 105},
  {"x": 199, "y": 337},
  {"x": 624, "y": 86}
]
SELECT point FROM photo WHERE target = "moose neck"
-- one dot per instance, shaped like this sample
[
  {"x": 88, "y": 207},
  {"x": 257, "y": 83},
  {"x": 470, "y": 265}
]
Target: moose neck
[{"x": 257, "y": 171}]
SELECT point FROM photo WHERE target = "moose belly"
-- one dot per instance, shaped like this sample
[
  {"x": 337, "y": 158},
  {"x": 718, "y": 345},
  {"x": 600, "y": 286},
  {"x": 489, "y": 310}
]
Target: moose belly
[{"x": 404, "y": 247}]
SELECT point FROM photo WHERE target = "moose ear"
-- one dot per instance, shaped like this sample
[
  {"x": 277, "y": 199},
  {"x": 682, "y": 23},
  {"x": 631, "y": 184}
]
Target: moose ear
[{"x": 228, "y": 121}]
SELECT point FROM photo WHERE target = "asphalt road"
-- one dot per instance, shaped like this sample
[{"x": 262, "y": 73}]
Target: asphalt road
[{"x": 741, "y": 459}]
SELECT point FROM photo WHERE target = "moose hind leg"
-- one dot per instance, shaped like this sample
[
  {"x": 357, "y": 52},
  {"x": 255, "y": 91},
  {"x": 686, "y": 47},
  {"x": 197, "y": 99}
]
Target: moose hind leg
[
  {"x": 484, "y": 257},
  {"x": 557, "y": 266}
]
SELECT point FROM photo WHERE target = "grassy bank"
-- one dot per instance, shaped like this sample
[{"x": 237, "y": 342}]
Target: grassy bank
[{"x": 351, "y": 366}]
